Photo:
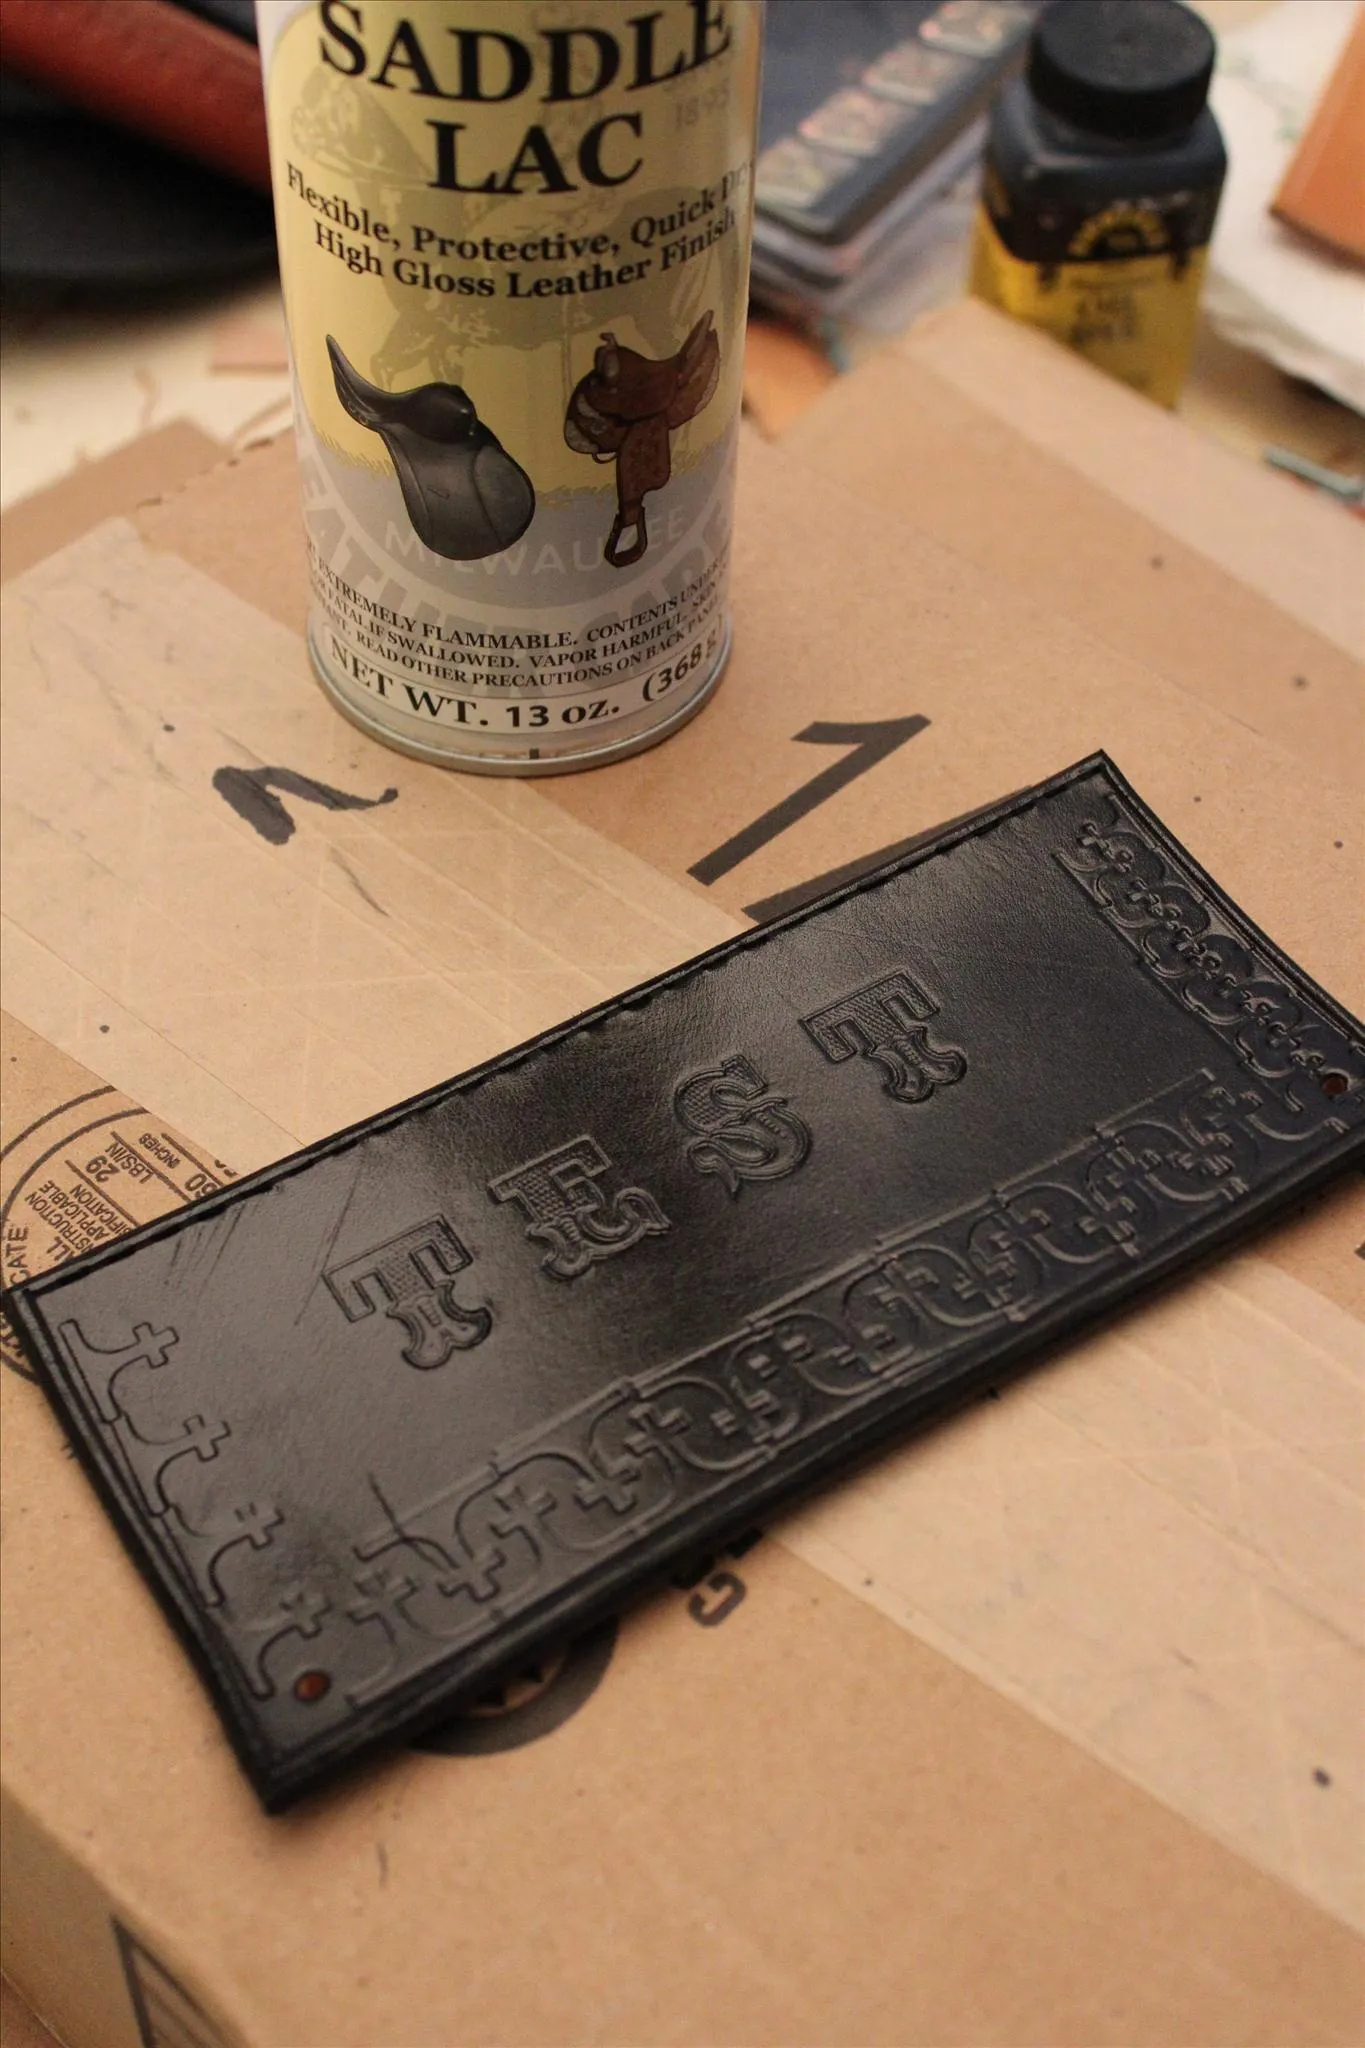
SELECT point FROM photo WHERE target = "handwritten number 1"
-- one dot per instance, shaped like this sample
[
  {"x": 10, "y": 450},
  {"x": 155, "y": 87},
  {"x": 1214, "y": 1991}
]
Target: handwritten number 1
[{"x": 868, "y": 744}]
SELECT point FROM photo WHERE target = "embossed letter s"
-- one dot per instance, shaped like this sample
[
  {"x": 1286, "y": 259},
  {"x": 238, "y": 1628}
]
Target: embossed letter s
[{"x": 744, "y": 1130}]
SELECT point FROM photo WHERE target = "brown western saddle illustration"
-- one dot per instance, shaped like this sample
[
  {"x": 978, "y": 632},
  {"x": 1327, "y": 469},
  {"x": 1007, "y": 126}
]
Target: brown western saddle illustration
[{"x": 626, "y": 407}]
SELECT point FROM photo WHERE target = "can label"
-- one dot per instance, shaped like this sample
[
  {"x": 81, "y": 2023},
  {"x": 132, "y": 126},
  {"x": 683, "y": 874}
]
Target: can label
[
  {"x": 1119, "y": 284},
  {"x": 514, "y": 248}
]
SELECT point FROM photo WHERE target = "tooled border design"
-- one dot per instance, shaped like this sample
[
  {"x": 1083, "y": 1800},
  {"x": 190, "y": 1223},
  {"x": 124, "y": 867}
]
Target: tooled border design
[{"x": 1211, "y": 961}]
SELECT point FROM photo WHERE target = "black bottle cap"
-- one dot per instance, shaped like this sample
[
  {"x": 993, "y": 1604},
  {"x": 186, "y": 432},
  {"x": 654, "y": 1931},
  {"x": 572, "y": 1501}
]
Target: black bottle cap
[{"x": 1130, "y": 69}]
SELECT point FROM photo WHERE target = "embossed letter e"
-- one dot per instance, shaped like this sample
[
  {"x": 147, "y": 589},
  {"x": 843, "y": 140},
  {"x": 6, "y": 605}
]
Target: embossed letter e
[{"x": 567, "y": 1211}]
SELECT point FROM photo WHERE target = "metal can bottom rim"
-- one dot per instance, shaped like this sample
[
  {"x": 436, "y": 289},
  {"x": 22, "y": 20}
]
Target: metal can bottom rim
[{"x": 558, "y": 764}]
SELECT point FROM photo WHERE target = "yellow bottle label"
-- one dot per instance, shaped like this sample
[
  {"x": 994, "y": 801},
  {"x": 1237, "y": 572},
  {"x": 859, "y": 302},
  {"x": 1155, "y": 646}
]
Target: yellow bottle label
[{"x": 1132, "y": 315}]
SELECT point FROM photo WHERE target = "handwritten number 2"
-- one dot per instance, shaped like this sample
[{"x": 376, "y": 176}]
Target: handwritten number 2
[{"x": 868, "y": 744}]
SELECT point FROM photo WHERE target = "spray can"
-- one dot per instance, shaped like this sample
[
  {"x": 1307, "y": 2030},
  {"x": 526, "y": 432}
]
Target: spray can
[{"x": 514, "y": 246}]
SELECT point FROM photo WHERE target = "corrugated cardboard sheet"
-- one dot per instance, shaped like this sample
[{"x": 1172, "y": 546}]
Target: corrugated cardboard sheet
[{"x": 1045, "y": 1728}]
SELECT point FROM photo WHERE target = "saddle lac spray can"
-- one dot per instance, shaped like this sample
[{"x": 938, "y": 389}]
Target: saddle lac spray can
[{"x": 514, "y": 245}]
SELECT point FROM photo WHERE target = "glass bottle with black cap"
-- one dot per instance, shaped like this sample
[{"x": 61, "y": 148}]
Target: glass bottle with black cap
[{"x": 1103, "y": 171}]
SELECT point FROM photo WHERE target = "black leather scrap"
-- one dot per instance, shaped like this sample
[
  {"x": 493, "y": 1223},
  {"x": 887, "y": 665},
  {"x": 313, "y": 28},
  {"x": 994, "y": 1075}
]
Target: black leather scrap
[{"x": 393, "y": 1413}]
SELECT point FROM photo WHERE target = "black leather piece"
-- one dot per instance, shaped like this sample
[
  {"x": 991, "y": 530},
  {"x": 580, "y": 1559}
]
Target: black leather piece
[{"x": 446, "y": 1386}]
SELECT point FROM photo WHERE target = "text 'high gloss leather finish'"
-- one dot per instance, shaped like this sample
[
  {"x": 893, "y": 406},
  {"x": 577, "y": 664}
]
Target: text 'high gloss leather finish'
[{"x": 440, "y": 1389}]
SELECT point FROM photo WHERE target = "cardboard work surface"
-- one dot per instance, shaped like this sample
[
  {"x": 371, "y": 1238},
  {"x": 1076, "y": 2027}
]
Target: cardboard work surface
[
  {"x": 909, "y": 445},
  {"x": 1044, "y": 1729},
  {"x": 1288, "y": 544},
  {"x": 19, "y": 2027}
]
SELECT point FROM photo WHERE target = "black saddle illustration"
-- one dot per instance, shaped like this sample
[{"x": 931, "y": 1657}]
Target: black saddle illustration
[{"x": 464, "y": 494}]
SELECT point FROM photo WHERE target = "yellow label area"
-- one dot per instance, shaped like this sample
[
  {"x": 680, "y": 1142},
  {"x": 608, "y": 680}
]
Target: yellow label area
[
  {"x": 457, "y": 204},
  {"x": 514, "y": 249},
  {"x": 1133, "y": 316}
]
